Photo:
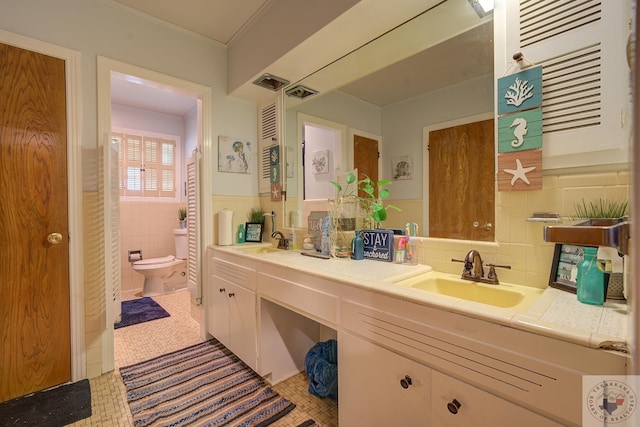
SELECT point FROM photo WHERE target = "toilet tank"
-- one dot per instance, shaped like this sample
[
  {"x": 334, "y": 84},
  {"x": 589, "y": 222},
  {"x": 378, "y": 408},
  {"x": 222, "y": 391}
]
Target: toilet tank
[{"x": 180, "y": 235}]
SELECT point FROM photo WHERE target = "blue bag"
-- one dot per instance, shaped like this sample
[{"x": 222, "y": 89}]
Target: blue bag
[{"x": 321, "y": 363}]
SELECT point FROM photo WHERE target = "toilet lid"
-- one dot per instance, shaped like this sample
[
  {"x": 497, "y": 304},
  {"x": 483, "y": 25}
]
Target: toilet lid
[{"x": 151, "y": 261}]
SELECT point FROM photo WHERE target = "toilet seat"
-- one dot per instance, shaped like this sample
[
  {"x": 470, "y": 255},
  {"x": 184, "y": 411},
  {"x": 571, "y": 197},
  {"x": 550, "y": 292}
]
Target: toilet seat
[{"x": 153, "y": 261}]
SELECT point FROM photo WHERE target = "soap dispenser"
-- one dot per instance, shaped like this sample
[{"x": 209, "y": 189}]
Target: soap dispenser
[
  {"x": 241, "y": 234},
  {"x": 357, "y": 246}
]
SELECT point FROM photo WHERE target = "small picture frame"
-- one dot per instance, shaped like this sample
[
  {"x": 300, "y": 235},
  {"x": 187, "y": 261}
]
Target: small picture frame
[
  {"x": 253, "y": 232},
  {"x": 564, "y": 268}
]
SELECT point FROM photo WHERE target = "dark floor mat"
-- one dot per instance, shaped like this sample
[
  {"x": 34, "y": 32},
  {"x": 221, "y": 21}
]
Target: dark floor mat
[
  {"x": 139, "y": 311},
  {"x": 54, "y": 407}
]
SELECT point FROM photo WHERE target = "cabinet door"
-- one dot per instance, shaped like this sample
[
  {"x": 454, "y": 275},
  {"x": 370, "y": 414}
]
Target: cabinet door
[
  {"x": 454, "y": 403},
  {"x": 218, "y": 308},
  {"x": 242, "y": 323},
  {"x": 372, "y": 383}
]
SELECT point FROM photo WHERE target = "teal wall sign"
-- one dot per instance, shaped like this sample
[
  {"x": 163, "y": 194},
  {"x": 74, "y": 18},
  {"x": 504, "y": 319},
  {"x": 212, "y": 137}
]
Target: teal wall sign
[
  {"x": 520, "y": 131},
  {"x": 520, "y": 91},
  {"x": 274, "y": 164}
]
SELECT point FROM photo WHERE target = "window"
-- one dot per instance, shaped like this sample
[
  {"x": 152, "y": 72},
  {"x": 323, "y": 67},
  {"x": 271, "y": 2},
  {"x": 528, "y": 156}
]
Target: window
[{"x": 148, "y": 164}]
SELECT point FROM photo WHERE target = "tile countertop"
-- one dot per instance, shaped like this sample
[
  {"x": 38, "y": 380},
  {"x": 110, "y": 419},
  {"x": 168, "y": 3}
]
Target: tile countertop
[{"x": 557, "y": 314}]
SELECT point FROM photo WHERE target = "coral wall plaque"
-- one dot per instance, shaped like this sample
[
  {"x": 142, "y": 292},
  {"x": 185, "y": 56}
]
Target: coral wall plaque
[
  {"x": 520, "y": 91},
  {"x": 520, "y": 170},
  {"x": 520, "y": 131}
]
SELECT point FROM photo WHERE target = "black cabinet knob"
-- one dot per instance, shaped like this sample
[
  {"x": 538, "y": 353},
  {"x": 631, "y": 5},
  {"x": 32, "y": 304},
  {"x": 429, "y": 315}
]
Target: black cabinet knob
[
  {"x": 406, "y": 381},
  {"x": 453, "y": 406},
  {"x": 222, "y": 290},
  {"x": 232, "y": 294}
]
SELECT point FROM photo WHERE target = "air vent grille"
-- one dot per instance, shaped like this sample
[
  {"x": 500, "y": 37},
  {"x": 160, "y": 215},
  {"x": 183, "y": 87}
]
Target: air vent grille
[
  {"x": 543, "y": 19},
  {"x": 268, "y": 129},
  {"x": 268, "y": 123},
  {"x": 572, "y": 90}
]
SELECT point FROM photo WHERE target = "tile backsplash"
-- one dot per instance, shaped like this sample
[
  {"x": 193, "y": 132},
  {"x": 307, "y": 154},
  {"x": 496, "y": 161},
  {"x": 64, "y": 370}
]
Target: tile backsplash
[{"x": 519, "y": 243}]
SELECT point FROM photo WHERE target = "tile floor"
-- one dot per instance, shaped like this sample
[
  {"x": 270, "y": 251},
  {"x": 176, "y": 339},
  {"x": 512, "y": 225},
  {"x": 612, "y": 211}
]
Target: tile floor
[{"x": 147, "y": 340}]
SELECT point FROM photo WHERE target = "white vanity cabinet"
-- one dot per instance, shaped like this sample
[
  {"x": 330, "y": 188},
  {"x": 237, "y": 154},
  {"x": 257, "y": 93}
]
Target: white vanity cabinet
[
  {"x": 379, "y": 387},
  {"x": 497, "y": 374},
  {"x": 231, "y": 307},
  {"x": 382, "y": 388},
  {"x": 401, "y": 361}
]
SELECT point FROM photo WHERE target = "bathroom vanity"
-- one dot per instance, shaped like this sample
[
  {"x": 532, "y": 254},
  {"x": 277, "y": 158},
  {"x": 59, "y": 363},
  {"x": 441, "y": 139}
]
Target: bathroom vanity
[{"x": 436, "y": 360}]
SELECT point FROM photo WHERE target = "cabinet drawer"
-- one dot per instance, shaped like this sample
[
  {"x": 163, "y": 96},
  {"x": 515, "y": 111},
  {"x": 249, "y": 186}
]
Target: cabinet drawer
[
  {"x": 299, "y": 298},
  {"x": 454, "y": 403},
  {"x": 234, "y": 273}
]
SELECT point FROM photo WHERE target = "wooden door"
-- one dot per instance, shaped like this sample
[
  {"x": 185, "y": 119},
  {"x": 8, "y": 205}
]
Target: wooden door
[
  {"x": 461, "y": 182},
  {"x": 365, "y": 158},
  {"x": 35, "y": 349}
]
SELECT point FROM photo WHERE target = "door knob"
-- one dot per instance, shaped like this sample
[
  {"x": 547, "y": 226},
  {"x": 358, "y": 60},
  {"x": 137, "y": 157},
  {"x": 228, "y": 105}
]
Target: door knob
[{"x": 54, "y": 238}]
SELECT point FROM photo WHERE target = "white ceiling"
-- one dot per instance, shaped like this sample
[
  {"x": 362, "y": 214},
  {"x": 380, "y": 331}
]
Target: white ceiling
[
  {"x": 221, "y": 20},
  {"x": 218, "y": 20}
]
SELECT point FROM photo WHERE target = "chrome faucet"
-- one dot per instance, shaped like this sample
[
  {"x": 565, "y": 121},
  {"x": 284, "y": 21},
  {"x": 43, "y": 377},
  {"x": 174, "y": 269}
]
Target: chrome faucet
[
  {"x": 473, "y": 265},
  {"x": 283, "y": 243},
  {"x": 474, "y": 269}
]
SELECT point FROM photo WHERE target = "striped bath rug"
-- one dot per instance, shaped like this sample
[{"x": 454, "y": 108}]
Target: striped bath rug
[{"x": 205, "y": 385}]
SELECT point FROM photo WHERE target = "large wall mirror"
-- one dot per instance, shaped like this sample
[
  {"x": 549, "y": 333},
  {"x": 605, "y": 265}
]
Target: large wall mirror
[{"x": 435, "y": 69}]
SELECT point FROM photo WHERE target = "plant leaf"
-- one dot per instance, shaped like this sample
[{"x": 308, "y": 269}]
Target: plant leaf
[
  {"x": 350, "y": 178},
  {"x": 337, "y": 185},
  {"x": 383, "y": 193}
]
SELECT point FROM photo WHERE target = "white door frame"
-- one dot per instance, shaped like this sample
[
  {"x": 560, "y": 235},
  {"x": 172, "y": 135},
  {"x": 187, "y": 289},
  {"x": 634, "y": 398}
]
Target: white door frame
[
  {"x": 74, "y": 189},
  {"x": 104, "y": 67}
]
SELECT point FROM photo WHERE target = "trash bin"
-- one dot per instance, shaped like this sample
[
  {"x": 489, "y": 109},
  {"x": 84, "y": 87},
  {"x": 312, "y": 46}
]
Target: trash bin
[{"x": 321, "y": 363}]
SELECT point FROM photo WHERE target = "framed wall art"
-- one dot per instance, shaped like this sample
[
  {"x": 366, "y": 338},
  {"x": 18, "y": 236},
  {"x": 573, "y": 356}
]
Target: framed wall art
[
  {"x": 253, "y": 232},
  {"x": 402, "y": 167},
  {"x": 320, "y": 162},
  {"x": 234, "y": 155},
  {"x": 564, "y": 267}
]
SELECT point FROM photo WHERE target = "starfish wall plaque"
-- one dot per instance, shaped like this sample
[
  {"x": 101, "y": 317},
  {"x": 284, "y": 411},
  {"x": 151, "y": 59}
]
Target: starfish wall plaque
[{"x": 520, "y": 170}]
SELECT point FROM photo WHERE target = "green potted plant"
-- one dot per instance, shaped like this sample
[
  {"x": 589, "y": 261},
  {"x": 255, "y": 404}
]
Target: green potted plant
[
  {"x": 600, "y": 211},
  {"x": 256, "y": 215},
  {"x": 348, "y": 205},
  {"x": 372, "y": 203},
  {"x": 182, "y": 216}
]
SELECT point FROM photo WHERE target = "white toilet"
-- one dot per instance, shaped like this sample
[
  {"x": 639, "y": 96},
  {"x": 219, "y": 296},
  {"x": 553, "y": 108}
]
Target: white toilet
[{"x": 168, "y": 273}]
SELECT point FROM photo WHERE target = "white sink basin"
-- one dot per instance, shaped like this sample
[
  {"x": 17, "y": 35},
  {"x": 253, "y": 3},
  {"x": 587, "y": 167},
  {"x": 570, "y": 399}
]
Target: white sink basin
[
  {"x": 504, "y": 295},
  {"x": 260, "y": 250}
]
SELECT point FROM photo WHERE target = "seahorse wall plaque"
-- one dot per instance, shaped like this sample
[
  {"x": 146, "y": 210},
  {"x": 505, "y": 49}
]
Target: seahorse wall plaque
[
  {"x": 520, "y": 91},
  {"x": 520, "y": 131}
]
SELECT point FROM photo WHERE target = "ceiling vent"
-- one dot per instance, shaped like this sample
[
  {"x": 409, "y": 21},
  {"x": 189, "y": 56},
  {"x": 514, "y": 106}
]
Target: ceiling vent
[
  {"x": 300, "y": 92},
  {"x": 270, "y": 82}
]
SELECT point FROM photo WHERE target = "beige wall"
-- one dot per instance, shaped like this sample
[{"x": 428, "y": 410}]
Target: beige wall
[{"x": 519, "y": 243}]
